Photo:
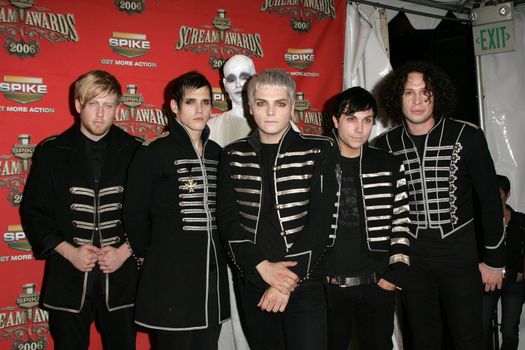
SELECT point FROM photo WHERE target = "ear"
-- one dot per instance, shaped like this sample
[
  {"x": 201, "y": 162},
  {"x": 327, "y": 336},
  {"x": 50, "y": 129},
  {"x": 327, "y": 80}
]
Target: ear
[
  {"x": 336, "y": 122},
  {"x": 174, "y": 107},
  {"x": 78, "y": 106}
]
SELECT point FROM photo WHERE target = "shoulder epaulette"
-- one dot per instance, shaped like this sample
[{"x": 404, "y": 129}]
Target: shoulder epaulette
[
  {"x": 160, "y": 136},
  {"x": 317, "y": 137},
  {"x": 465, "y": 122},
  {"x": 244, "y": 139},
  {"x": 50, "y": 138}
]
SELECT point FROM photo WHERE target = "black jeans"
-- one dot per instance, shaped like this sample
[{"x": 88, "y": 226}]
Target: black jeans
[
  {"x": 302, "y": 326},
  {"x": 72, "y": 330},
  {"x": 373, "y": 310},
  {"x": 512, "y": 299},
  {"x": 199, "y": 339},
  {"x": 455, "y": 287},
  {"x": 195, "y": 339}
]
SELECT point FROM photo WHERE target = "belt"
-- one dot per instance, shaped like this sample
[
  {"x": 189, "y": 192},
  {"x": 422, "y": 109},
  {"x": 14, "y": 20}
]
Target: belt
[{"x": 352, "y": 281}]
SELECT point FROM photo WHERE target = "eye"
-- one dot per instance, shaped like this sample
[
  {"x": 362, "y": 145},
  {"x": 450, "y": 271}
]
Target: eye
[
  {"x": 244, "y": 76},
  {"x": 92, "y": 103},
  {"x": 206, "y": 102},
  {"x": 281, "y": 104},
  {"x": 109, "y": 105},
  {"x": 260, "y": 103},
  {"x": 407, "y": 93},
  {"x": 230, "y": 79},
  {"x": 189, "y": 101},
  {"x": 369, "y": 121}
]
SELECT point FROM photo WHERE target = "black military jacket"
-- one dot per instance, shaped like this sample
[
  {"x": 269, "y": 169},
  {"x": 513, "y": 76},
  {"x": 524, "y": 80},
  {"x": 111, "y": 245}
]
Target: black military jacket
[
  {"x": 170, "y": 221},
  {"x": 60, "y": 203}
]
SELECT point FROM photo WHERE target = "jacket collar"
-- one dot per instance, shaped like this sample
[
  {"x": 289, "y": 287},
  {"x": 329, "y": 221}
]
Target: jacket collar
[
  {"x": 178, "y": 129},
  {"x": 254, "y": 139},
  {"x": 438, "y": 123}
]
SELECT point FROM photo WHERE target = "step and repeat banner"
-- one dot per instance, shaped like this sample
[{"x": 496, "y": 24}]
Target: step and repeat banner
[{"x": 46, "y": 45}]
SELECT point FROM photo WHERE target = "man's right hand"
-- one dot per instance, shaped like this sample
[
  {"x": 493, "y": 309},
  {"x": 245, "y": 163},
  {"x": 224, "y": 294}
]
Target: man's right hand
[
  {"x": 278, "y": 275},
  {"x": 83, "y": 258}
]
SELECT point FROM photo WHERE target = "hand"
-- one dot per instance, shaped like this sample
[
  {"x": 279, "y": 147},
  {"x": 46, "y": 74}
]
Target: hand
[
  {"x": 273, "y": 301},
  {"x": 278, "y": 275},
  {"x": 83, "y": 258},
  {"x": 111, "y": 259},
  {"x": 382, "y": 283},
  {"x": 492, "y": 278}
]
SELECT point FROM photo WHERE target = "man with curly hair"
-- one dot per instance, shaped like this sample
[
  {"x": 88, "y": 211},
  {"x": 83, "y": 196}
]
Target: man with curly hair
[{"x": 446, "y": 161}]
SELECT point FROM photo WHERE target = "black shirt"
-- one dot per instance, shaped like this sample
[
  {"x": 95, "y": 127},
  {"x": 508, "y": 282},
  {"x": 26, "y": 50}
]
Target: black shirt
[
  {"x": 269, "y": 239},
  {"x": 350, "y": 256},
  {"x": 96, "y": 153}
]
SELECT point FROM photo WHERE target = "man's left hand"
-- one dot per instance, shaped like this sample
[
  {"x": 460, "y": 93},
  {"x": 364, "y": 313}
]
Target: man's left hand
[
  {"x": 110, "y": 259},
  {"x": 382, "y": 283},
  {"x": 492, "y": 278}
]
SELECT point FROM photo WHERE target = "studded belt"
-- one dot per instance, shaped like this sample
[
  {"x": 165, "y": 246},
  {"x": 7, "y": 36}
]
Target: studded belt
[{"x": 352, "y": 281}]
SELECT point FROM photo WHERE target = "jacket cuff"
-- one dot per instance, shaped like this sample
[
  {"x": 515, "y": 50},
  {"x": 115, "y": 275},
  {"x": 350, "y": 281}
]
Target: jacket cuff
[{"x": 397, "y": 275}]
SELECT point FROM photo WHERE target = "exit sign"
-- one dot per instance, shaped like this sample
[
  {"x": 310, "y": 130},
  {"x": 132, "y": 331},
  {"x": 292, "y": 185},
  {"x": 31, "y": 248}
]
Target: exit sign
[{"x": 493, "y": 37}]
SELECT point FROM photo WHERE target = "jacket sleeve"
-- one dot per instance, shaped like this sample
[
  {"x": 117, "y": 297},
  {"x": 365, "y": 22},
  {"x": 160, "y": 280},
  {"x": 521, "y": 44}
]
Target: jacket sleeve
[
  {"x": 37, "y": 211},
  {"x": 399, "y": 260},
  {"x": 143, "y": 174},
  {"x": 239, "y": 244},
  {"x": 483, "y": 177},
  {"x": 309, "y": 247}
]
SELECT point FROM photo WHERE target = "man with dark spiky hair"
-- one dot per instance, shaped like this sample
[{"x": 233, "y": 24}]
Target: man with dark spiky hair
[
  {"x": 368, "y": 259},
  {"x": 182, "y": 296},
  {"x": 445, "y": 161}
]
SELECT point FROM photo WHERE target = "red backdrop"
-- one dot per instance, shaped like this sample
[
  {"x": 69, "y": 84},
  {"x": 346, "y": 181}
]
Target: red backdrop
[{"x": 47, "y": 45}]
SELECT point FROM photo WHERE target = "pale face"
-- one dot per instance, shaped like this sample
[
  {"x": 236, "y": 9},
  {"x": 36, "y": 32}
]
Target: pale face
[
  {"x": 354, "y": 131},
  {"x": 236, "y": 73},
  {"x": 194, "y": 110},
  {"x": 418, "y": 108},
  {"x": 97, "y": 115},
  {"x": 272, "y": 111}
]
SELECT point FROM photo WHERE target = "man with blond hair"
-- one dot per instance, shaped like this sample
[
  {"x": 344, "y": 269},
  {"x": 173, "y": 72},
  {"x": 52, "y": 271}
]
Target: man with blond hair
[{"x": 71, "y": 214}]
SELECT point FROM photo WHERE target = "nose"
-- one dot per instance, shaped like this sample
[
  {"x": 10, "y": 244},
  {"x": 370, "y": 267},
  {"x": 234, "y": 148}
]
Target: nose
[
  {"x": 359, "y": 126},
  {"x": 270, "y": 109},
  {"x": 198, "y": 108},
  {"x": 238, "y": 83},
  {"x": 100, "y": 110},
  {"x": 418, "y": 98}
]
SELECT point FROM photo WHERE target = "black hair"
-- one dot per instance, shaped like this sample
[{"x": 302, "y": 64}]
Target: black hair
[
  {"x": 188, "y": 81},
  {"x": 504, "y": 183},
  {"x": 355, "y": 99},
  {"x": 390, "y": 91}
]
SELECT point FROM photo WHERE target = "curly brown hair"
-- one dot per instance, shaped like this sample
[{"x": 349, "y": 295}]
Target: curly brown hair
[{"x": 390, "y": 90}]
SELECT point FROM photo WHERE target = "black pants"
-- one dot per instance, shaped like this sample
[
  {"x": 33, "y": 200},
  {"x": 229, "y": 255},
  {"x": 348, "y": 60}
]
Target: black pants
[
  {"x": 199, "y": 339},
  {"x": 456, "y": 288},
  {"x": 72, "y": 330},
  {"x": 373, "y": 310},
  {"x": 302, "y": 326},
  {"x": 512, "y": 299},
  {"x": 195, "y": 339}
]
